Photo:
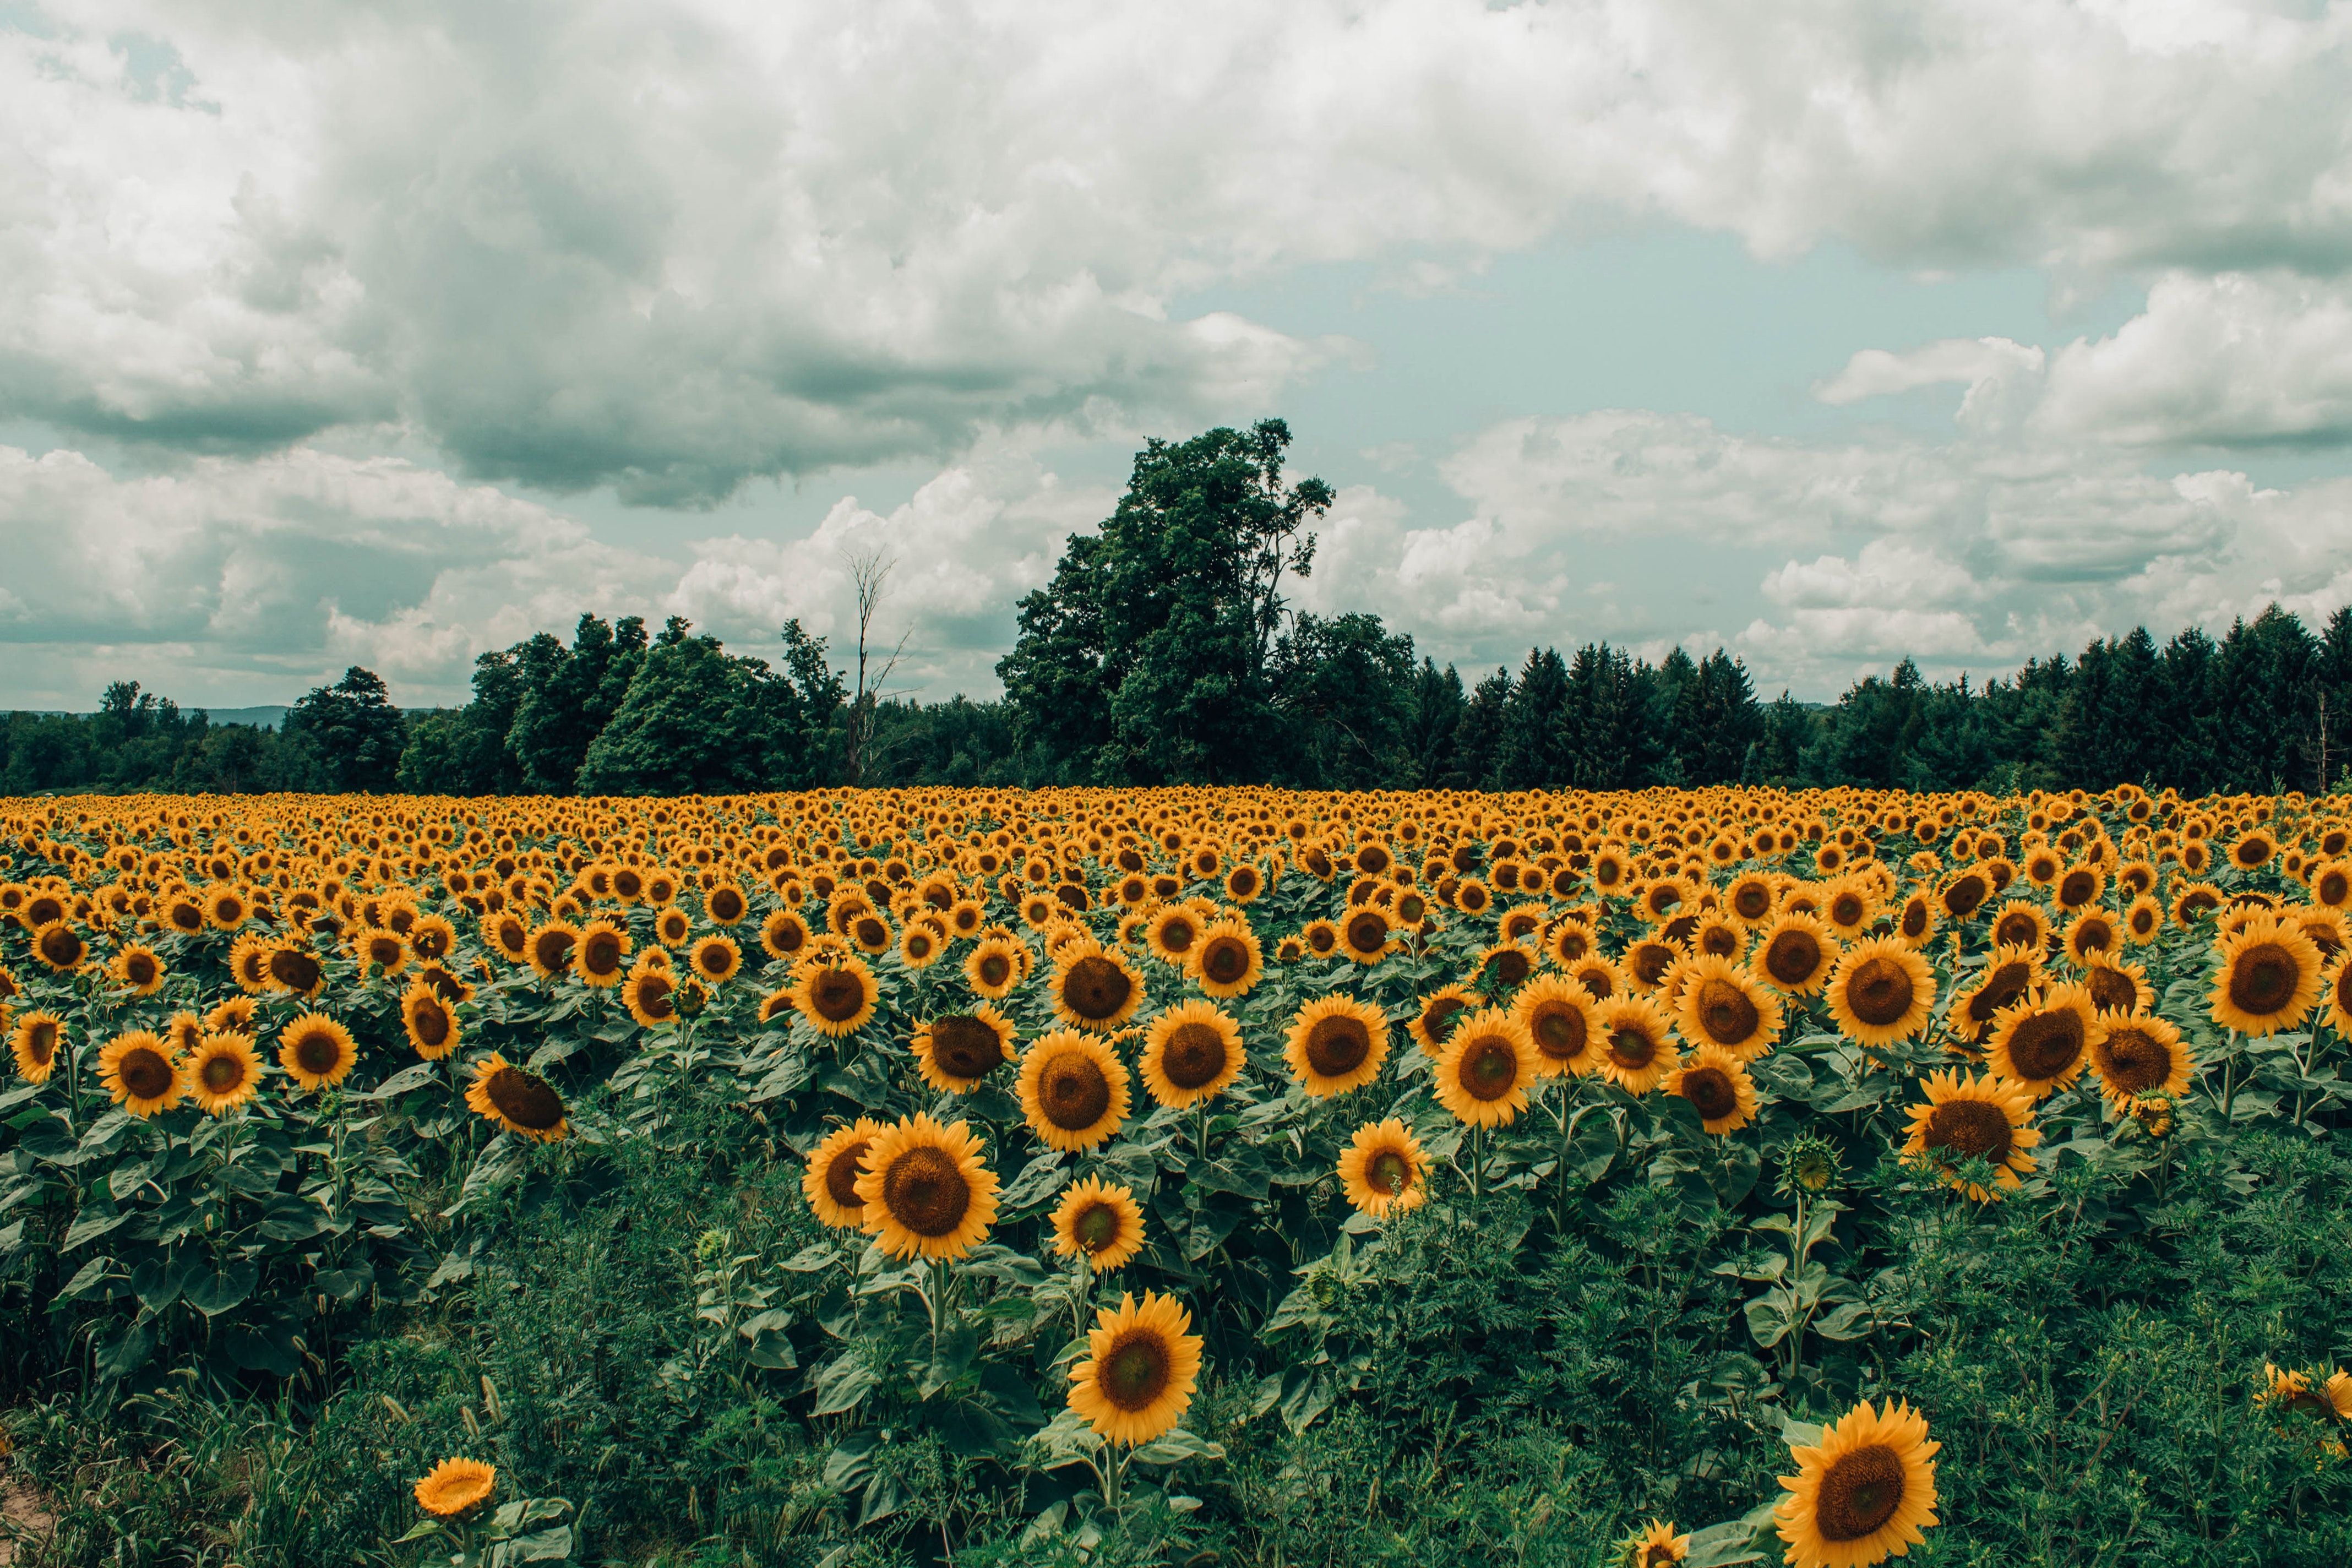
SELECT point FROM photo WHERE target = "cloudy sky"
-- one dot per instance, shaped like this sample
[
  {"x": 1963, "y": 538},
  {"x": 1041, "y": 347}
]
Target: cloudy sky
[{"x": 383, "y": 333}]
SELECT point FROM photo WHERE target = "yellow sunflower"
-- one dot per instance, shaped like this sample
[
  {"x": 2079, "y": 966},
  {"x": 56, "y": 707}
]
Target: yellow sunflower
[
  {"x": 1970, "y": 1118},
  {"x": 455, "y": 1485},
  {"x": 1074, "y": 1090},
  {"x": 1487, "y": 1065},
  {"x": 2041, "y": 1044},
  {"x": 2008, "y": 976},
  {"x": 1655, "y": 1547},
  {"x": 1384, "y": 1169},
  {"x": 522, "y": 1103},
  {"x": 649, "y": 993},
  {"x": 223, "y": 1073},
  {"x": 1723, "y": 1005},
  {"x": 1336, "y": 1044},
  {"x": 1637, "y": 1050},
  {"x": 1795, "y": 952},
  {"x": 1173, "y": 934},
  {"x": 2267, "y": 980},
  {"x": 926, "y": 1192},
  {"x": 1100, "y": 1221},
  {"x": 1716, "y": 1083},
  {"x": 830, "y": 1181},
  {"x": 2139, "y": 1056},
  {"x": 1881, "y": 992},
  {"x": 714, "y": 960},
  {"x": 1866, "y": 1492},
  {"x": 138, "y": 970},
  {"x": 602, "y": 959},
  {"x": 995, "y": 966},
  {"x": 431, "y": 1027},
  {"x": 1192, "y": 1052},
  {"x": 1228, "y": 961},
  {"x": 1434, "y": 1020},
  {"x": 1093, "y": 988},
  {"x": 137, "y": 1070},
  {"x": 1366, "y": 934},
  {"x": 34, "y": 1042},
  {"x": 836, "y": 995},
  {"x": 956, "y": 1051},
  {"x": 549, "y": 949},
  {"x": 317, "y": 1051},
  {"x": 1142, "y": 1366},
  {"x": 1561, "y": 1022}
]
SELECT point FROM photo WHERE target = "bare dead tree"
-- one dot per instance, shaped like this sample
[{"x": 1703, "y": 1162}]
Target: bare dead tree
[{"x": 870, "y": 573}]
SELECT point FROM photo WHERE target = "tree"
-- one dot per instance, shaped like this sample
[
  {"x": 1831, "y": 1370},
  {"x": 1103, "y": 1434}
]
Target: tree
[
  {"x": 1343, "y": 688},
  {"x": 871, "y": 575},
  {"x": 350, "y": 733},
  {"x": 1431, "y": 728},
  {"x": 695, "y": 719},
  {"x": 567, "y": 696},
  {"x": 1529, "y": 753}
]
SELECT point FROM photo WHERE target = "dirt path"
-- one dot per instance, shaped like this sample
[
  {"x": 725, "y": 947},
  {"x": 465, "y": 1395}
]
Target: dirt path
[{"x": 27, "y": 1520}]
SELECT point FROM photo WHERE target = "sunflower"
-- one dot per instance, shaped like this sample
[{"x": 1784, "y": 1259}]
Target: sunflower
[
  {"x": 2010, "y": 973},
  {"x": 1320, "y": 937},
  {"x": 1074, "y": 1090},
  {"x": 508, "y": 934},
  {"x": 223, "y": 1073},
  {"x": 724, "y": 903},
  {"x": 455, "y": 1485},
  {"x": 714, "y": 960},
  {"x": 2090, "y": 936},
  {"x": 2267, "y": 980},
  {"x": 1558, "y": 1015},
  {"x": 926, "y": 1191},
  {"x": 1864, "y": 1494},
  {"x": 1915, "y": 923},
  {"x": 830, "y": 1181},
  {"x": 1656, "y": 1547},
  {"x": 836, "y": 995},
  {"x": 1171, "y": 935},
  {"x": 1722, "y": 1004},
  {"x": 1384, "y": 1168},
  {"x": 137, "y": 1070},
  {"x": 1140, "y": 1368},
  {"x": 2022, "y": 924},
  {"x": 1716, "y": 1083},
  {"x": 1192, "y": 1052},
  {"x": 1637, "y": 1050},
  {"x": 672, "y": 926},
  {"x": 182, "y": 1034},
  {"x": 995, "y": 966},
  {"x": 1099, "y": 1221},
  {"x": 1433, "y": 1021},
  {"x": 1600, "y": 978},
  {"x": 34, "y": 1042},
  {"x": 59, "y": 946},
  {"x": 957, "y": 1050},
  {"x": 1568, "y": 941},
  {"x": 2117, "y": 987},
  {"x": 1228, "y": 961},
  {"x": 602, "y": 958},
  {"x": 138, "y": 968},
  {"x": 1881, "y": 992},
  {"x": 431, "y": 1027},
  {"x": 317, "y": 1051},
  {"x": 782, "y": 934},
  {"x": 2041, "y": 1044},
  {"x": 381, "y": 951},
  {"x": 522, "y": 1103},
  {"x": 1795, "y": 952},
  {"x": 1365, "y": 934},
  {"x": 1970, "y": 1118},
  {"x": 550, "y": 948},
  {"x": 1336, "y": 1044},
  {"x": 649, "y": 993},
  {"x": 1093, "y": 988},
  {"x": 1487, "y": 1064},
  {"x": 2139, "y": 1056},
  {"x": 921, "y": 941},
  {"x": 233, "y": 1016}
]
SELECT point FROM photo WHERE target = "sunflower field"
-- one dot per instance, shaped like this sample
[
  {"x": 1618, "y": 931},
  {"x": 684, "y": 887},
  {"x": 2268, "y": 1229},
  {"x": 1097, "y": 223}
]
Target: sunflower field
[{"x": 1185, "y": 1176}]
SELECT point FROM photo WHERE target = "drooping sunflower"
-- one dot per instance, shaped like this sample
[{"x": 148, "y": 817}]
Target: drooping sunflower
[
  {"x": 649, "y": 993},
  {"x": 1384, "y": 1169},
  {"x": 455, "y": 1485},
  {"x": 1561, "y": 1022},
  {"x": 1915, "y": 923},
  {"x": 2139, "y": 1056},
  {"x": 1636, "y": 1046},
  {"x": 1192, "y": 1052},
  {"x": 1140, "y": 1369},
  {"x": 1099, "y": 1221},
  {"x": 1074, "y": 1090},
  {"x": 137, "y": 1070},
  {"x": 1974, "y": 1118},
  {"x": 1228, "y": 961},
  {"x": 995, "y": 966},
  {"x": 223, "y": 1073},
  {"x": 601, "y": 959},
  {"x": 1094, "y": 987},
  {"x": 549, "y": 949},
  {"x": 836, "y": 995},
  {"x": 1795, "y": 952},
  {"x": 2041, "y": 1044},
  {"x": 431, "y": 1027},
  {"x": 1716, "y": 1083},
  {"x": 2008, "y": 974},
  {"x": 956, "y": 1051},
  {"x": 1434, "y": 1019},
  {"x": 1866, "y": 1492},
  {"x": 232, "y": 1017},
  {"x": 317, "y": 1051},
  {"x": 2267, "y": 980},
  {"x": 830, "y": 1181},
  {"x": 926, "y": 1190},
  {"x": 1484, "y": 1072},
  {"x": 1336, "y": 1044},
  {"x": 1882, "y": 992},
  {"x": 34, "y": 1042},
  {"x": 1722, "y": 1004},
  {"x": 522, "y": 1103}
]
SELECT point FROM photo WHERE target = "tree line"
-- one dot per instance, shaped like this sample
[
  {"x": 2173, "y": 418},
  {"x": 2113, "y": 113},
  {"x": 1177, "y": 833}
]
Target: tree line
[{"x": 1163, "y": 650}]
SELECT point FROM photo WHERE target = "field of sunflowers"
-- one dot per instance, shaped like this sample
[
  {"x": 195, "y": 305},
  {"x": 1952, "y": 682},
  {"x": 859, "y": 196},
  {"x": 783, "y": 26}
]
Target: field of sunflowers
[{"x": 1186, "y": 1176}]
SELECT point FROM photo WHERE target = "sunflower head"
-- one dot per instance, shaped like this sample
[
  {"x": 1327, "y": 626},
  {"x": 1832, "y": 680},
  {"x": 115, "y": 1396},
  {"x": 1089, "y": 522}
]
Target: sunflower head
[
  {"x": 1485, "y": 1071},
  {"x": 1384, "y": 1169},
  {"x": 1719, "y": 1087},
  {"x": 830, "y": 1181},
  {"x": 2041, "y": 1044},
  {"x": 836, "y": 994},
  {"x": 1795, "y": 952},
  {"x": 1867, "y": 1491},
  {"x": 1636, "y": 1047},
  {"x": 1562, "y": 1024},
  {"x": 521, "y": 1102},
  {"x": 956, "y": 1051},
  {"x": 1140, "y": 1371},
  {"x": 1074, "y": 1090},
  {"x": 1192, "y": 1052},
  {"x": 1723, "y": 1005},
  {"x": 1881, "y": 992},
  {"x": 138, "y": 1071},
  {"x": 1227, "y": 961},
  {"x": 1099, "y": 1221},
  {"x": 223, "y": 1073},
  {"x": 317, "y": 1051},
  {"x": 925, "y": 1189},
  {"x": 1967, "y": 1119},
  {"x": 1093, "y": 988},
  {"x": 2267, "y": 978},
  {"x": 1336, "y": 1044}
]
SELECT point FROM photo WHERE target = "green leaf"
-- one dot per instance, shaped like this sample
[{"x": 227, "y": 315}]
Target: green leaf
[
  {"x": 127, "y": 1352},
  {"x": 89, "y": 1225},
  {"x": 843, "y": 1383},
  {"x": 1039, "y": 1180},
  {"x": 1175, "y": 1447},
  {"x": 957, "y": 1348},
  {"x": 215, "y": 1292}
]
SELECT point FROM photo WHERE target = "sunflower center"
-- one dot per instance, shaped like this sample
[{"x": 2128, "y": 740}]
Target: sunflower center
[
  {"x": 871, "y": 933},
  {"x": 1226, "y": 959},
  {"x": 836, "y": 995},
  {"x": 1489, "y": 1069},
  {"x": 1597, "y": 981},
  {"x": 144, "y": 1073},
  {"x": 1915, "y": 918},
  {"x": 1338, "y": 1045},
  {"x": 1880, "y": 992},
  {"x": 926, "y": 1191},
  {"x": 726, "y": 904},
  {"x": 2002, "y": 987},
  {"x": 2046, "y": 1044},
  {"x": 1074, "y": 1092},
  {"x": 1631, "y": 1048},
  {"x": 318, "y": 1052},
  {"x": 653, "y": 994},
  {"x": 1791, "y": 957},
  {"x": 1727, "y": 1014},
  {"x": 966, "y": 1046},
  {"x": 1511, "y": 966},
  {"x": 1559, "y": 1031},
  {"x": 431, "y": 1024},
  {"x": 841, "y": 1175},
  {"x": 551, "y": 948},
  {"x": 41, "y": 1042},
  {"x": 2113, "y": 989},
  {"x": 1388, "y": 1173},
  {"x": 1860, "y": 1493},
  {"x": 528, "y": 1100},
  {"x": 1096, "y": 1227},
  {"x": 1969, "y": 1128},
  {"x": 1437, "y": 1019},
  {"x": 1963, "y": 896},
  {"x": 2074, "y": 889},
  {"x": 601, "y": 953},
  {"x": 2094, "y": 936},
  {"x": 2133, "y": 1059},
  {"x": 1368, "y": 933},
  {"x": 61, "y": 947},
  {"x": 2263, "y": 978},
  {"x": 1096, "y": 988},
  {"x": 1195, "y": 1054},
  {"x": 1134, "y": 1373},
  {"x": 1711, "y": 1092},
  {"x": 995, "y": 969},
  {"x": 1752, "y": 900},
  {"x": 222, "y": 1073},
  {"x": 141, "y": 969}
]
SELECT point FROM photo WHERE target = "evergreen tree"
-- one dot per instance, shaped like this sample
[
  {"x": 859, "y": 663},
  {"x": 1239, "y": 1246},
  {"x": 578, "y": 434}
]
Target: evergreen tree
[
  {"x": 1529, "y": 753},
  {"x": 1430, "y": 730}
]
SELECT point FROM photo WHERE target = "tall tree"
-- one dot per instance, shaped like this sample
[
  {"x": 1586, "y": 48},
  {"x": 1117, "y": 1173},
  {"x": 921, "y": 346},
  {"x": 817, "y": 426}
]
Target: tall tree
[
  {"x": 351, "y": 733},
  {"x": 1343, "y": 688}
]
